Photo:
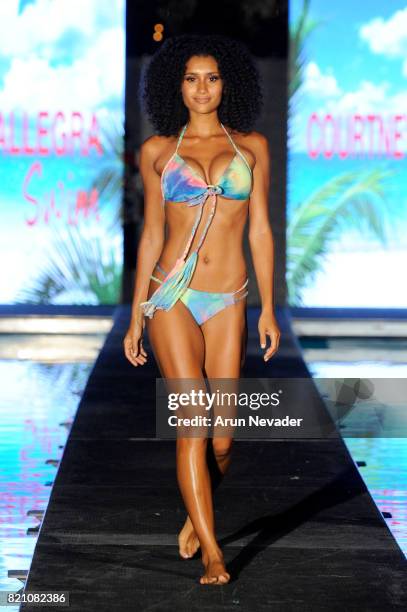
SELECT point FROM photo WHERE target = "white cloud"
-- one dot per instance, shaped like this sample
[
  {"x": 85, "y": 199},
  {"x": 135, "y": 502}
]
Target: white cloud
[
  {"x": 345, "y": 270},
  {"x": 41, "y": 25},
  {"x": 33, "y": 84},
  {"x": 368, "y": 97},
  {"x": 388, "y": 37},
  {"x": 318, "y": 84}
]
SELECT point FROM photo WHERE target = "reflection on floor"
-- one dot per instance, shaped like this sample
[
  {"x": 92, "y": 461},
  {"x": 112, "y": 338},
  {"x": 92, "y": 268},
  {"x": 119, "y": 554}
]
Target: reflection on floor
[
  {"x": 39, "y": 400},
  {"x": 382, "y": 462},
  {"x": 38, "y": 403}
]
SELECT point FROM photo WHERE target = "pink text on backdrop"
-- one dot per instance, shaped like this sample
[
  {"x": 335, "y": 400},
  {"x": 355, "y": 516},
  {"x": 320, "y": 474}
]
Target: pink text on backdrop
[
  {"x": 355, "y": 135},
  {"x": 49, "y": 133},
  {"x": 60, "y": 201},
  {"x": 59, "y": 134}
]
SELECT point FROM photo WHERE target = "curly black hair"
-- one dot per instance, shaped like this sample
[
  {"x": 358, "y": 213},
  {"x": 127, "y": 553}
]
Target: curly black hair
[{"x": 242, "y": 97}]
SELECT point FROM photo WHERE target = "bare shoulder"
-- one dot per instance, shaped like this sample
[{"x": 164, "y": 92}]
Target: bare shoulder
[
  {"x": 155, "y": 150},
  {"x": 155, "y": 145},
  {"x": 255, "y": 143}
]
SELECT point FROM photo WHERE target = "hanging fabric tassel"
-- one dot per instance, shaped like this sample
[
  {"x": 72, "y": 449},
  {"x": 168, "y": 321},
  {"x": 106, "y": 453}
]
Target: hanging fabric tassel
[
  {"x": 179, "y": 277},
  {"x": 172, "y": 287}
]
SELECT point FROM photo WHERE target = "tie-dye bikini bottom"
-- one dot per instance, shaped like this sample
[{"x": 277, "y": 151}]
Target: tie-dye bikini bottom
[{"x": 205, "y": 304}]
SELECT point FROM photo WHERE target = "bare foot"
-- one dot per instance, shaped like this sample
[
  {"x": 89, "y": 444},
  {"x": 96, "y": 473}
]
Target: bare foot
[
  {"x": 188, "y": 540},
  {"x": 215, "y": 571}
]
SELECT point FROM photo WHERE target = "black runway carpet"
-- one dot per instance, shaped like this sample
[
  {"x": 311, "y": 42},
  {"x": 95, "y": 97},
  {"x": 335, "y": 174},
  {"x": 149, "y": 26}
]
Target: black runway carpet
[{"x": 296, "y": 523}]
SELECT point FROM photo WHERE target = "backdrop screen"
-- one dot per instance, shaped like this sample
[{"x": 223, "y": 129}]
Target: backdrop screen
[
  {"x": 347, "y": 187},
  {"x": 61, "y": 143}
]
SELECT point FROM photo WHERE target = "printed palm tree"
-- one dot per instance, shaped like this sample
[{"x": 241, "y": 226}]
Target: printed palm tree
[
  {"x": 81, "y": 270},
  {"x": 109, "y": 181},
  {"x": 348, "y": 199},
  {"x": 353, "y": 198},
  {"x": 299, "y": 33}
]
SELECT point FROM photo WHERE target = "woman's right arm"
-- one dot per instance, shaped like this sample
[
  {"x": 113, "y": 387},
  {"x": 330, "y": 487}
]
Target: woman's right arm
[{"x": 149, "y": 248}]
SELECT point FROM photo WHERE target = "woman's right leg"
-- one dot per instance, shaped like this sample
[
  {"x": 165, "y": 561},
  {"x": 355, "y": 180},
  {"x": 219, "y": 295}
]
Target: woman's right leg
[{"x": 179, "y": 349}]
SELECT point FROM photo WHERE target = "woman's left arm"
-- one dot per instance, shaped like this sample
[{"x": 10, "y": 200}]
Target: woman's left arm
[{"x": 262, "y": 244}]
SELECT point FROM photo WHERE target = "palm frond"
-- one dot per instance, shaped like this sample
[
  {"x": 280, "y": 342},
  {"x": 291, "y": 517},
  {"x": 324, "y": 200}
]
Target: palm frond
[
  {"x": 80, "y": 269},
  {"x": 348, "y": 200},
  {"x": 299, "y": 33},
  {"x": 109, "y": 181}
]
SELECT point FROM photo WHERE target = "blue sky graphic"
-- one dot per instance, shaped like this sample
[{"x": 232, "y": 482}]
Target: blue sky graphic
[
  {"x": 51, "y": 60},
  {"x": 355, "y": 61},
  {"x": 336, "y": 44},
  {"x": 341, "y": 49}
]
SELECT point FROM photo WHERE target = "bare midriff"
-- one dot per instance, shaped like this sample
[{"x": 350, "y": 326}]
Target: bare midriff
[{"x": 221, "y": 264}]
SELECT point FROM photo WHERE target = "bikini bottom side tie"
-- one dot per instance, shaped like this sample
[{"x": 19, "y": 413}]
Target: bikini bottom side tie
[{"x": 204, "y": 305}]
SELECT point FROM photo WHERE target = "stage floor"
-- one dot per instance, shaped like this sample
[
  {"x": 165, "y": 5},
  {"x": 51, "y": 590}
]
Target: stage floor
[{"x": 295, "y": 520}]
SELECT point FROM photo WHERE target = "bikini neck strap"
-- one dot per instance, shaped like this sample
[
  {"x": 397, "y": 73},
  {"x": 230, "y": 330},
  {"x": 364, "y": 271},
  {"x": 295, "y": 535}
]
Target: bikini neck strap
[
  {"x": 180, "y": 136},
  {"x": 230, "y": 137}
]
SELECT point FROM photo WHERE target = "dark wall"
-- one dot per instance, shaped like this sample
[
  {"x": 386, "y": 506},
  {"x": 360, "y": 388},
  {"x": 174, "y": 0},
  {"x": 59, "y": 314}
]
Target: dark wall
[{"x": 263, "y": 26}]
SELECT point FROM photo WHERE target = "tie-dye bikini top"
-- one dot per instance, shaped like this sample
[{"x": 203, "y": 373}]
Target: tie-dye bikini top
[{"x": 181, "y": 183}]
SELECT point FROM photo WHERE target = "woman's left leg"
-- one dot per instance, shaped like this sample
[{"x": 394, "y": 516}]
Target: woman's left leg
[{"x": 225, "y": 336}]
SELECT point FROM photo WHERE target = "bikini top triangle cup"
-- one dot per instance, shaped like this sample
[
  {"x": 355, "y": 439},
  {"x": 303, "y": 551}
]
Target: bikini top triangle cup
[{"x": 181, "y": 183}]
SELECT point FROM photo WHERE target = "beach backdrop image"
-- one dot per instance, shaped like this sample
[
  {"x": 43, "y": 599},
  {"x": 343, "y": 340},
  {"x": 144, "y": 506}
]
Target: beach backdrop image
[
  {"x": 61, "y": 150},
  {"x": 347, "y": 187}
]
